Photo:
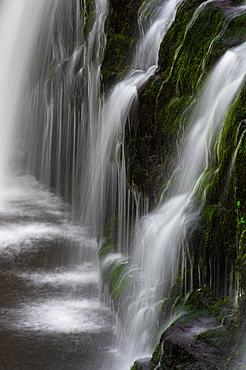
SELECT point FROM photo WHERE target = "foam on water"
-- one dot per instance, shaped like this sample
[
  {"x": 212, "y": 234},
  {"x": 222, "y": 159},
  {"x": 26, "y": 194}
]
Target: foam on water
[
  {"x": 62, "y": 315},
  {"x": 82, "y": 275}
]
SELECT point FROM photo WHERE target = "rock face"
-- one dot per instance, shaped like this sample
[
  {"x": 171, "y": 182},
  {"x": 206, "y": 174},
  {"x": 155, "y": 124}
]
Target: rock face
[
  {"x": 122, "y": 31},
  {"x": 142, "y": 364},
  {"x": 180, "y": 345},
  {"x": 216, "y": 245},
  {"x": 188, "y": 344}
]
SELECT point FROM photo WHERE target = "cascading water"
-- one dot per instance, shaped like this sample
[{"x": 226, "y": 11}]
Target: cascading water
[
  {"x": 84, "y": 159},
  {"x": 159, "y": 243},
  {"x": 106, "y": 171},
  {"x": 61, "y": 124}
]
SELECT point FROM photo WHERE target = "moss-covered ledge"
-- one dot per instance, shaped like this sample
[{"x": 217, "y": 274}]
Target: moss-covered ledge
[{"x": 204, "y": 333}]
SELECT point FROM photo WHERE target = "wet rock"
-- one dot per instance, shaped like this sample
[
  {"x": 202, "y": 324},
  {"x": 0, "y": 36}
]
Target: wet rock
[
  {"x": 181, "y": 346},
  {"x": 142, "y": 364}
]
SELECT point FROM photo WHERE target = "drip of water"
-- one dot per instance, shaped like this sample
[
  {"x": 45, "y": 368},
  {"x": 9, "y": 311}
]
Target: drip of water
[{"x": 63, "y": 122}]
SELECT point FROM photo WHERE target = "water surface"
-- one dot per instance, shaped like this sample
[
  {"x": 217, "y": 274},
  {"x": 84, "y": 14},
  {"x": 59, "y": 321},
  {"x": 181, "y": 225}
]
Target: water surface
[{"x": 50, "y": 315}]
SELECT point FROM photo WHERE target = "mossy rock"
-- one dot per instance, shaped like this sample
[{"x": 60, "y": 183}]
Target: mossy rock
[
  {"x": 241, "y": 270},
  {"x": 142, "y": 364},
  {"x": 136, "y": 366},
  {"x": 122, "y": 32},
  {"x": 114, "y": 276},
  {"x": 165, "y": 100},
  {"x": 196, "y": 340},
  {"x": 223, "y": 216}
]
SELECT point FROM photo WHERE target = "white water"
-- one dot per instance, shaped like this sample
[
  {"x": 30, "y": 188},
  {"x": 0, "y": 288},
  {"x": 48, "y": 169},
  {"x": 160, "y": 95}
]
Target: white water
[{"x": 16, "y": 58}]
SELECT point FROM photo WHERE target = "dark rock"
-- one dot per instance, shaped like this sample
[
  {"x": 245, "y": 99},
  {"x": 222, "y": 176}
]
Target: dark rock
[
  {"x": 181, "y": 346},
  {"x": 142, "y": 364}
]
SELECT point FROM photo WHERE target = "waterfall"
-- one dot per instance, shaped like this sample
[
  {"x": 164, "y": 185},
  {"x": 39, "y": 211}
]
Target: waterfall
[
  {"x": 62, "y": 102},
  {"x": 49, "y": 264},
  {"x": 68, "y": 134},
  {"x": 104, "y": 175},
  {"x": 17, "y": 55},
  {"x": 58, "y": 124}
]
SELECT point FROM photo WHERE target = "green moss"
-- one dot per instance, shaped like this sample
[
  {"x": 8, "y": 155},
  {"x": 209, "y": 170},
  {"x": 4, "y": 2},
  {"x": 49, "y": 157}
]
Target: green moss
[
  {"x": 165, "y": 101},
  {"x": 241, "y": 271},
  {"x": 105, "y": 249},
  {"x": 87, "y": 14},
  {"x": 182, "y": 54},
  {"x": 228, "y": 183},
  {"x": 172, "y": 300},
  {"x": 218, "y": 221},
  {"x": 115, "y": 59},
  {"x": 156, "y": 356},
  {"x": 205, "y": 299},
  {"x": 219, "y": 338},
  {"x": 121, "y": 30},
  {"x": 193, "y": 53},
  {"x": 136, "y": 366},
  {"x": 223, "y": 217},
  {"x": 115, "y": 277},
  {"x": 109, "y": 232},
  {"x": 235, "y": 31}
]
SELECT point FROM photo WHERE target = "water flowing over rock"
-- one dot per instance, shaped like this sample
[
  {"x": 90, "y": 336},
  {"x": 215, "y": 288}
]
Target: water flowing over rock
[{"x": 133, "y": 113}]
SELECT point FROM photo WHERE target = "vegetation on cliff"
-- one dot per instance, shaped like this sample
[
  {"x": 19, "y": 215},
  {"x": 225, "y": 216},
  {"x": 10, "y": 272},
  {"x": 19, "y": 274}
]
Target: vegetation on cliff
[{"x": 215, "y": 276}]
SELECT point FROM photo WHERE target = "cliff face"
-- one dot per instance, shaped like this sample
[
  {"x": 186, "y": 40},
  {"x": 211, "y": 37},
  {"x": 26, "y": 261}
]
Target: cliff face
[{"x": 215, "y": 273}]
